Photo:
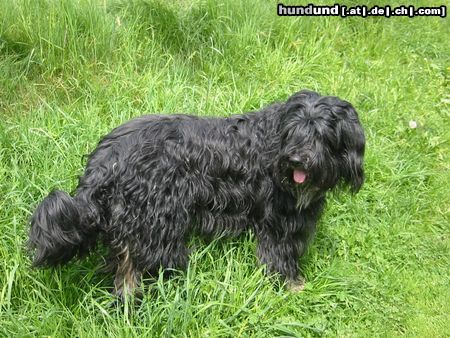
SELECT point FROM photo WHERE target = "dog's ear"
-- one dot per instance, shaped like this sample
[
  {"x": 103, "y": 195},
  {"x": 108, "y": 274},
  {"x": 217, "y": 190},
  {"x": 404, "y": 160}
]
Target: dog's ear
[{"x": 350, "y": 135}]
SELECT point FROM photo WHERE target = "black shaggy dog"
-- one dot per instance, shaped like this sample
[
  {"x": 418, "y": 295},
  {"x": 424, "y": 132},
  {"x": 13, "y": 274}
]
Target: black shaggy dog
[{"x": 155, "y": 180}]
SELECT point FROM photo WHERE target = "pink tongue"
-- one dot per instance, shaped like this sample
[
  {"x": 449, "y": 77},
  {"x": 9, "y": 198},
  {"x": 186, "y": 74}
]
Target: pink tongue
[{"x": 299, "y": 176}]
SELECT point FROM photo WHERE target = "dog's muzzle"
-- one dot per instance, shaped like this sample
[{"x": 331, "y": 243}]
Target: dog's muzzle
[{"x": 298, "y": 174}]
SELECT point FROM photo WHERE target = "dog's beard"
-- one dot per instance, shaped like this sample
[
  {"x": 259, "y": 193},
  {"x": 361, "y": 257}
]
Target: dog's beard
[
  {"x": 304, "y": 191},
  {"x": 306, "y": 195},
  {"x": 299, "y": 182}
]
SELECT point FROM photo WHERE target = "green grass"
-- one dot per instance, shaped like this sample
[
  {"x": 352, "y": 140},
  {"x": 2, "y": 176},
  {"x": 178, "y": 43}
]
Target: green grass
[{"x": 72, "y": 70}]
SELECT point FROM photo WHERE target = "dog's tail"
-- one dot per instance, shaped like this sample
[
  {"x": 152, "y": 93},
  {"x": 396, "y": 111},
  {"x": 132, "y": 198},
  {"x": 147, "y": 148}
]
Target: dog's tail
[{"x": 59, "y": 229}]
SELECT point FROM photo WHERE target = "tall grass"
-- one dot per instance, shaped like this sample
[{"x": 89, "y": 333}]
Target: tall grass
[{"x": 72, "y": 70}]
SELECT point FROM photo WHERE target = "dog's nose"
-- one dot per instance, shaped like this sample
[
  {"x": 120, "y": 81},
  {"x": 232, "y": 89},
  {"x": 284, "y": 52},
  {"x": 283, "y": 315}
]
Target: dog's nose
[{"x": 295, "y": 159}]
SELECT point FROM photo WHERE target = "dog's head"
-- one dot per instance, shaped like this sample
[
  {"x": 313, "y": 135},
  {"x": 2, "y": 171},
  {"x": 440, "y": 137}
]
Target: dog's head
[{"x": 322, "y": 145}]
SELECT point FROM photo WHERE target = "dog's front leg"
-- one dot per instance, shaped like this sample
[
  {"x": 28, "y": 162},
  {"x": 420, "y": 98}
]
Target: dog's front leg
[{"x": 281, "y": 256}]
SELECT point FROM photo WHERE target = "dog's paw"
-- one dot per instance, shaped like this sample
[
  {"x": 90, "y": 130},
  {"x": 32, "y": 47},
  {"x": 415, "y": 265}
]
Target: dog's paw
[{"x": 295, "y": 286}]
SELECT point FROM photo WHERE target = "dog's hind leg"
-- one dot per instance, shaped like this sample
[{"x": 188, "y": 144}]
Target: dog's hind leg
[
  {"x": 168, "y": 256},
  {"x": 146, "y": 251},
  {"x": 126, "y": 282}
]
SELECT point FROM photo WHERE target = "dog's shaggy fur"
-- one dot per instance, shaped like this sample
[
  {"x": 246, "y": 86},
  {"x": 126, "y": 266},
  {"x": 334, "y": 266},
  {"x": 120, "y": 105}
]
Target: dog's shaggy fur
[{"x": 155, "y": 180}]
